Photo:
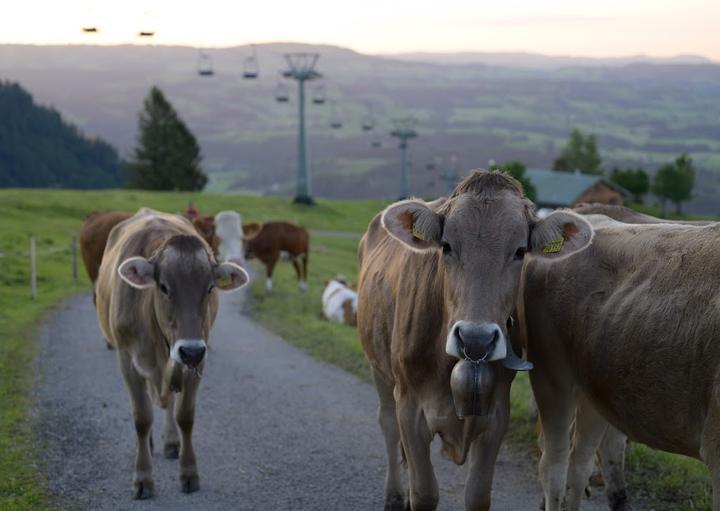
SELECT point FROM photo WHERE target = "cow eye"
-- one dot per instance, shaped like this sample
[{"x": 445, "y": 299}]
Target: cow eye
[
  {"x": 164, "y": 289},
  {"x": 520, "y": 253},
  {"x": 445, "y": 247}
]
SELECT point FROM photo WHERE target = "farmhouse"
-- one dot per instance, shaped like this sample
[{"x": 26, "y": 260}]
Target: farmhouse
[{"x": 565, "y": 189}]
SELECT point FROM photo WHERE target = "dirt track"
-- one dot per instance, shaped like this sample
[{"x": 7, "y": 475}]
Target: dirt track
[{"x": 275, "y": 429}]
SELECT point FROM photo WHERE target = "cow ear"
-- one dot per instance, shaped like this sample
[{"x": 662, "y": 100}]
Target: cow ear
[
  {"x": 138, "y": 272},
  {"x": 413, "y": 223},
  {"x": 251, "y": 230},
  {"x": 230, "y": 277},
  {"x": 560, "y": 234}
]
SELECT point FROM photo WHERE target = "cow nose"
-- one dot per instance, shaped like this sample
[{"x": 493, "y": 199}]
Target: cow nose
[
  {"x": 477, "y": 340},
  {"x": 191, "y": 355}
]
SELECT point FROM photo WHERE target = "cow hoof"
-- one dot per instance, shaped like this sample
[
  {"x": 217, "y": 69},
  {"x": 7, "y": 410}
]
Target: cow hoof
[
  {"x": 171, "y": 450},
  {"x": 190, "y": 484},
  {"x": 143, "y": 490},
  {"x": 108, "y": 345},
  {"x": 394, "y": 502}
]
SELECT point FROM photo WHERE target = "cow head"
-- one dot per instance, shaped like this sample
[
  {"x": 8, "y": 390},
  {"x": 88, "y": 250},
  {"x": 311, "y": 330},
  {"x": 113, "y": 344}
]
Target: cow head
[
  {"x": 184, "y": 278},
  {"x": 229, "y": 237},
  {"x": 480, "y": 237},
  {"x": 205, "y": 226}
]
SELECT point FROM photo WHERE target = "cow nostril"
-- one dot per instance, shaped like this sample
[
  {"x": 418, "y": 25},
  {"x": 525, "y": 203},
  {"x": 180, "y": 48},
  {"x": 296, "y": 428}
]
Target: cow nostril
[{"x": 191, "y": 355}]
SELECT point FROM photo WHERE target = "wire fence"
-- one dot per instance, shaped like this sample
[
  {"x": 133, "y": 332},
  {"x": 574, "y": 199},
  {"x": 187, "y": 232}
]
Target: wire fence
[{"x": 33, "y": 254}]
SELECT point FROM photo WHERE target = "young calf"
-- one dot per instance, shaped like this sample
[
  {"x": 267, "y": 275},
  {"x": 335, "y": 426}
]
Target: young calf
[
  {"x": 340, "y": 302},
  {"x": 156, "y": 302}
]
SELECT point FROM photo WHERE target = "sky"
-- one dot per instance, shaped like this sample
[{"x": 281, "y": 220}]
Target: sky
[{"x": 597, "y": 28}]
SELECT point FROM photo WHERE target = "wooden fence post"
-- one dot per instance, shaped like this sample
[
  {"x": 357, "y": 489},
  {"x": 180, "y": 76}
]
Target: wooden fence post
[
  {"x": 33, "y": 269},
  {"x": 73, "y": 255}
]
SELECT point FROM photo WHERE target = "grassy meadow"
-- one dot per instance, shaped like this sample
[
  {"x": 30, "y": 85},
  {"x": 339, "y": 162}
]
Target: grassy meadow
[{"x": 663, "y": 480}]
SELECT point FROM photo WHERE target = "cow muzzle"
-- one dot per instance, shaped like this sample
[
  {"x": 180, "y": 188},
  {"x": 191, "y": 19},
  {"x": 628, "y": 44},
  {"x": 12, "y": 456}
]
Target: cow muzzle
[
  {"x": 189, "y": 352},
  {"x": 473, "y": 378}
]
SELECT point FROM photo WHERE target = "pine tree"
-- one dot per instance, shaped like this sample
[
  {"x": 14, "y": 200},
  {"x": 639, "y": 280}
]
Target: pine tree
[{"x": 168, "y": 155}]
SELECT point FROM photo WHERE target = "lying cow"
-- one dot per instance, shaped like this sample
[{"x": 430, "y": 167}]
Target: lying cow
[
  {"x": 339, "y": 302},
  {"x": 272, "y": 241},
  {"x": 623, "y": 331},
  {"x": 156, "y": 303},
  {"x": 438, "y": 283}
]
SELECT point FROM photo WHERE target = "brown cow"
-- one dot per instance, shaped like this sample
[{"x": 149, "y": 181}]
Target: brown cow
[
  {"x": 624, "y": 332},
  {"x": 271, "y": 241},
  {"x": 611, "y": 452},
  {"x": 629, "y": 216},
  {"x": 156, "y": 303},
  {"x": 93, "y": 236},
  {"x": 438, "y": 283}
]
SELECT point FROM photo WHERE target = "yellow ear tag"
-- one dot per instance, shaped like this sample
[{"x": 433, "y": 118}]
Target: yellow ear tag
[
  {"x": 418, "y": 234},
  {"x": 223, "y": 282},
  {"x": 554, "y": 246}
]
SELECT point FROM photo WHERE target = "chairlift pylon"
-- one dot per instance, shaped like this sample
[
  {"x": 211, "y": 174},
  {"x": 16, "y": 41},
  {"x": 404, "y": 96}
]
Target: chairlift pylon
[
  {"x": 251, "y": 68},
  {"x": 205, "y": 66}
]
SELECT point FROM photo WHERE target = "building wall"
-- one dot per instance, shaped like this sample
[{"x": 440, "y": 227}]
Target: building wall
[{"x": 601, "y": 193}]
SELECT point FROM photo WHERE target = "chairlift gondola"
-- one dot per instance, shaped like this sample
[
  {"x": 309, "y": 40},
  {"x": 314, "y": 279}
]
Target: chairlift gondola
[
  {"x": 335, "y": 119},
  {"x": 90, "y": 30},
  {"x": 251, "y": 68},
  {"x": 281, "y": 92},
  {"x": 147, "y": 29},
  {"x": 319, "y": 94},
  {"x": 205, "y": 65}
]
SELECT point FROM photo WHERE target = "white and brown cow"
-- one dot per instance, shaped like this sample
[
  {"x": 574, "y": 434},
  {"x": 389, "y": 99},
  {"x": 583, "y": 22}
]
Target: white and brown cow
[
  {"x": 156, "y": 302},
  {"x": 438, "y": 283},
  {"x": 339, "y": 302},
  {"x": 625, "y": 333}
]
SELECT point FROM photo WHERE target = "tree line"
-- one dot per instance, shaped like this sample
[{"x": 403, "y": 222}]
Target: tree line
[
  {"x": 673, "y": 182},
  {"x": 40, "y": 149}
]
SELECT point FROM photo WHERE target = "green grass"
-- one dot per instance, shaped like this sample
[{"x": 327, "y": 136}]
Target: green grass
[{"x": 664, "y": 480}]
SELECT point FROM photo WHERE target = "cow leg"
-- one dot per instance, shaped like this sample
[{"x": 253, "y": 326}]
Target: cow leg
[
  {"x": 710, "y": 448},
  {"x": 185, "y": 417},
  {"x": 556, "y": 406},
  {"x": 612, "y": 465},
  {"x": 171, "y": 449},
  {"x": 394, "y": 499},
  {"x": 590, "y": 428},
  {"x": 298, "y": 271},
  {"x": 483, "y": 454},
  {"x": 270, "y": 267},
  {"x": 304, "y": 270},
  {"x": 143, "y": 486},
  {"x": 416, "y": 438}
]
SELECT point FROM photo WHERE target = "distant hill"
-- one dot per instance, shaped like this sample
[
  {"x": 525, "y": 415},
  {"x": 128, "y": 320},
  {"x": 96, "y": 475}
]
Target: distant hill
[
  {"x": 644, "y": 111},
  {"x": 537, "y": 61},
  {"x": 38, "y": 149}
]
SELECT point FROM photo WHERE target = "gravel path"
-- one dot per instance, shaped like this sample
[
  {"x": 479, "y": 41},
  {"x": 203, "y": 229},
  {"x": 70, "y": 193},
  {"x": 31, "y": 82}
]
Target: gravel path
[{"x": 275, "y": 429}]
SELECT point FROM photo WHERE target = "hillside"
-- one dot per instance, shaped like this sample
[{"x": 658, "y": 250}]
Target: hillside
[
  {"x": 39, "y": 149},
  {"x": 645, "y": 111}
]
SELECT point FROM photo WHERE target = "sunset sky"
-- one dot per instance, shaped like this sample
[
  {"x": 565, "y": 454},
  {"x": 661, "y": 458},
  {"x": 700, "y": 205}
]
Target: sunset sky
[{"x": 559, "y": 27}]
